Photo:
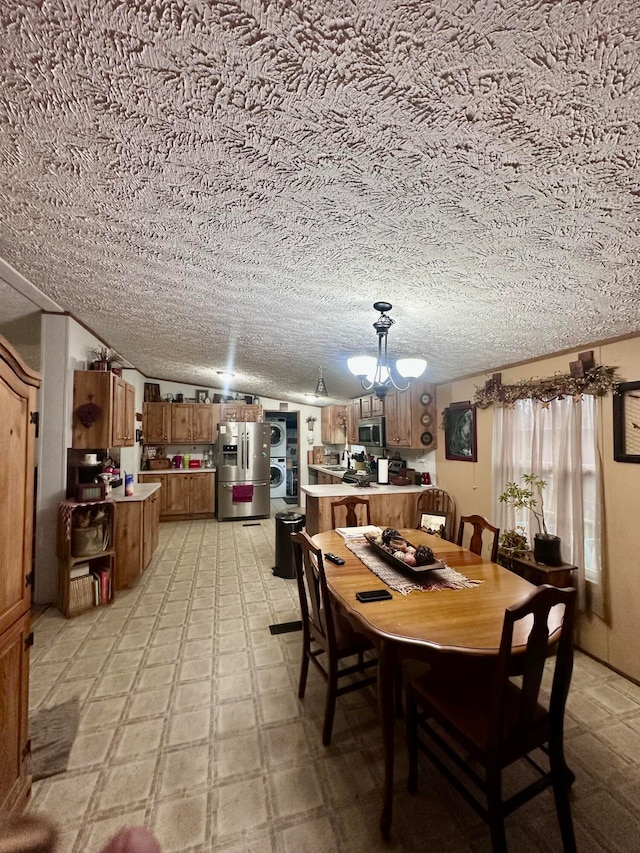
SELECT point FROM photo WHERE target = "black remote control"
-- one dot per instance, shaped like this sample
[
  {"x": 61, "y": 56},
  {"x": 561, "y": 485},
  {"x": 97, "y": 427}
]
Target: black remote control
[{"x": 337, "y": 560}]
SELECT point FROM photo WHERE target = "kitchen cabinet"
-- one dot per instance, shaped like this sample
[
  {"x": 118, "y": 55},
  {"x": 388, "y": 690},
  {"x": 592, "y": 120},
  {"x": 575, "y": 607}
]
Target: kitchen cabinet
[
  {"x": 161, "y": 494},
  {"x": 103, "y": 410},
  {"x": 177, "y": 500},
  {"x": 136, "y": 536},
  {"x": 156, "y": 423},
  {"x": 353, "y": 416},
  {"x": 81, "y": 542},
  {"x": 334, "y": 424},
  {"x": 205, "y": 418},
  {"x": 18, "y": 385},
  {"x": 397, "y": 407},
  {"x": 371, "y": 406},
  {"x": 184, "y": 494},
  {"x": 151, "y": 527},
  {"x": 180, "y": 423},
  {"x": 240, "y": 413},
  {"x": 124, "y": 407},
  {"x": 201, "y": 494},
  {"x": 410, "y": 417}
]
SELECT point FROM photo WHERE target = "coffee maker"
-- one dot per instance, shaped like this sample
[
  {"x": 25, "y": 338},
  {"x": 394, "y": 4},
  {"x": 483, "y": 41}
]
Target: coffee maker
[{"x": 83, "y": 467}]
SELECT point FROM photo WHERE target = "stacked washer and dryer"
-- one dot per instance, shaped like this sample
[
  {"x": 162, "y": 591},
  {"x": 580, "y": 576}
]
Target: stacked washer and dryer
[{"x": 278, "y": 457}]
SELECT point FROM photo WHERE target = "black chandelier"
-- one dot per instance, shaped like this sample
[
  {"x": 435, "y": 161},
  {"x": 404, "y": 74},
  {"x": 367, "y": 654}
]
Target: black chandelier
[{"x": 381, "y": 375}]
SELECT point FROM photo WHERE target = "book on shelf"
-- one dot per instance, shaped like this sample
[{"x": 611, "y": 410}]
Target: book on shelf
[
  {"x": 102, "y": 578},
  {"x": 81, "y": 594},
  {"x": 80, "y": 570}
]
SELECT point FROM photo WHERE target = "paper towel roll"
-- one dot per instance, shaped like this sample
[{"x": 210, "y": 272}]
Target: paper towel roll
[{"x": 383, "y": 470}]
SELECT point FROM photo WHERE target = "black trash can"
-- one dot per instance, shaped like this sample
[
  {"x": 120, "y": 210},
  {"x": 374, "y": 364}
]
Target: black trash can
[{"x": 286, "y": 524}]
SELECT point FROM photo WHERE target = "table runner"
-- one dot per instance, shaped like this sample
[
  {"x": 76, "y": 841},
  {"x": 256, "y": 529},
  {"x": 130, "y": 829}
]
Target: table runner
[{"x": 446, "y": 578}]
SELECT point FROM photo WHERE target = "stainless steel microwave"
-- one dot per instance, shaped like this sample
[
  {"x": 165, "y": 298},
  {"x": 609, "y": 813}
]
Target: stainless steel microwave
[{"x": 371, "y": 432}]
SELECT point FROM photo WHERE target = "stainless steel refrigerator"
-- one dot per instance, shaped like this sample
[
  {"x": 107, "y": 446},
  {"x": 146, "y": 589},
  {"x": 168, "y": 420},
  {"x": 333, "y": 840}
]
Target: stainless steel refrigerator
[{"x": 243, "y": 470}]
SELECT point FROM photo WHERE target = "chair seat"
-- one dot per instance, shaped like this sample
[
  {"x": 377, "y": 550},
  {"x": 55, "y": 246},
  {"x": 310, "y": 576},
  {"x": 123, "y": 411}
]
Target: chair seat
[{"x": 468, "y": 706}]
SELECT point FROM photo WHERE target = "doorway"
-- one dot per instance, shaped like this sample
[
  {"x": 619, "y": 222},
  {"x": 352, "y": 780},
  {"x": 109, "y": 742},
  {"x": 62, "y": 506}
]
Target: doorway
[{"x": 285, "y": 451}]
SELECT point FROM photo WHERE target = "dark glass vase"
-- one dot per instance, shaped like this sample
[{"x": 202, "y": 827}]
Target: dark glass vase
[{"x": 546, "y": 550}]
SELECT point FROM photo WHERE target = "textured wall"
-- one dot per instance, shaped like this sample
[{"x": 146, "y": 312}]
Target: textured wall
[{"x": 237, "y": 182}]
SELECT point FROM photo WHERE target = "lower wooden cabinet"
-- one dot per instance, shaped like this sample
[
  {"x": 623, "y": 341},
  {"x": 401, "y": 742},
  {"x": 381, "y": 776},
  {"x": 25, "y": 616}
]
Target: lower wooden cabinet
[
  {"x": 15, "y": 780},
  {"x": 136, "y": 537},
  {"x": 151, "y": 524},
  {"x": 184, "y": 494}
]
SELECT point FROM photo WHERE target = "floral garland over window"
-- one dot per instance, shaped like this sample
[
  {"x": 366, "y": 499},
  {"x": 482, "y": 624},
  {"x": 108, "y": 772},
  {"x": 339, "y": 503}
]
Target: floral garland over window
[{"x": 598, "y": 380}]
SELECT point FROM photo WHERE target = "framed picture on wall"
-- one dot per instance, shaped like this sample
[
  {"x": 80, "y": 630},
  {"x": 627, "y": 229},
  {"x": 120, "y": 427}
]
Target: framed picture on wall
[
  {"x": 460, "y": 432},
  {"x": 626, "y": 422},
  {"x": 201, "y": 395}
]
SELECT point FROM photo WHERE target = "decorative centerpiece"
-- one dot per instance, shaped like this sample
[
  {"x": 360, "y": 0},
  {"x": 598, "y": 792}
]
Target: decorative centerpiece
[
  {"x": 395, "y": 549},
  {"x": 546, "y": 546}
]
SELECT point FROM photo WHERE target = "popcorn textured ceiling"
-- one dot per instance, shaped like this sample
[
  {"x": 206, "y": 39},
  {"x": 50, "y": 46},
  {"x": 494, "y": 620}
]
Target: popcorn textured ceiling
[{"x": 235, "y": 183}]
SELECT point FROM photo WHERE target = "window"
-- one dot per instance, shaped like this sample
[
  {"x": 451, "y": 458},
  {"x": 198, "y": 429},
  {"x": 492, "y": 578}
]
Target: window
[{"x": 558, "y": 441}]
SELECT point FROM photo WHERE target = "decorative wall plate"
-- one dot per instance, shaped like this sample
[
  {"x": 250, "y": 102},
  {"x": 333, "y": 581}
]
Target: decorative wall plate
[
  {"x": 426, "y": 398},
  {"x": 426, "y": 419},
  {"x": 426, "y": 438}
]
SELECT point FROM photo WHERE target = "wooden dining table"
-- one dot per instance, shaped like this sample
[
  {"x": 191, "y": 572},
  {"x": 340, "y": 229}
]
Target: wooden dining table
[{"x": 444, "y": 625}]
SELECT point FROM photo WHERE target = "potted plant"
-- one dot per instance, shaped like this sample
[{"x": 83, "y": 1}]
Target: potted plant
[
  {"x": 511, "y": 543},
  {"x": 103, "y": 358},
  {"x": 546, "y": 546}
]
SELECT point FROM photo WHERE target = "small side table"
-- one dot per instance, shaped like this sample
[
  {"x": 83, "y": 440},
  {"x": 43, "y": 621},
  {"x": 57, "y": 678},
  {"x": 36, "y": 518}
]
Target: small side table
[{"x": 538, "y": 573}]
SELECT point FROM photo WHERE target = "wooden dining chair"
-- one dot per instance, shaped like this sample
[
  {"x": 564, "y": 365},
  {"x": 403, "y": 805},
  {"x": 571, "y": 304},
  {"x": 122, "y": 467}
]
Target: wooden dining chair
[
  {"x": 498, "y": 721},
  {"x": 351, "y": 502},
  {"x": 479, "y": 525},
  {"x": 438, "y": 501},
  {"x": 327, "y": 635}
]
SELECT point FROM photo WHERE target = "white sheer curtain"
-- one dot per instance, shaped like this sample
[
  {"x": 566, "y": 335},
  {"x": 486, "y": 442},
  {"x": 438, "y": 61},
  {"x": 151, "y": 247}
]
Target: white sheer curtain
[{"x": 558, "y": 442}]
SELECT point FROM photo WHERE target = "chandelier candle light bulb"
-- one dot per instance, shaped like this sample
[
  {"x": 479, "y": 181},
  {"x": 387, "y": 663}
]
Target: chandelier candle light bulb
[{"x": 380, "y": 375}]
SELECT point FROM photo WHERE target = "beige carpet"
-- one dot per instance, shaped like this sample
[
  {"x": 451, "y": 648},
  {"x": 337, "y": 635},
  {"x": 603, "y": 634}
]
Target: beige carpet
[{"x": 52, "y": 732}]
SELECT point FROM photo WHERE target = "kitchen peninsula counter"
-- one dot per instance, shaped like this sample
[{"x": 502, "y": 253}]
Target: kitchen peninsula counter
[
  {"x": 141, "y": 491},
  {"x": 390, "y": 506},
  {"x": 136, "y": 530}
]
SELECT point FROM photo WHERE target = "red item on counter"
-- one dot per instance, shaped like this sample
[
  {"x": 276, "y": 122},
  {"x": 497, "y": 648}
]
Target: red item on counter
[{"x": 194, "y": 463}]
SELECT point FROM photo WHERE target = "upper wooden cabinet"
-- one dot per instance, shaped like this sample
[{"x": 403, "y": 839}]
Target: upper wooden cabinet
[
  {"x": 371, "y": 406},
  {"x": 180, "y": 423},
  {"x": 397, "y": 407},
  {"x": 240, "y": 413},
  {"x": 124, "y": 413},
  {"x": 410, "y": 417},
  {"x": 353, "y": 416},
  {"x": 334, "y": 424},
  {"x": 103, "y": 410},
  {"x": 156, "y": 422}
]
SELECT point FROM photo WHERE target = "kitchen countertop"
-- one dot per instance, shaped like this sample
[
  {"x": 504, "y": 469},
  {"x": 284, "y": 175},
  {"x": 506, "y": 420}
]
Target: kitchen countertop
[
  {"x": 141, "y": 491},
  {"x": 342, "y": 490},
  {"x": 201, "y": 470}
]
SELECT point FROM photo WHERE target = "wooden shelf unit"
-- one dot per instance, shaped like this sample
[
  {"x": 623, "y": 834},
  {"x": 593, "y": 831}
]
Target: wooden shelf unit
[{"x": 76, "y": 596}]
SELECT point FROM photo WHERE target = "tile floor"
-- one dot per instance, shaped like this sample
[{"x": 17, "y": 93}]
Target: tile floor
[{"x": 191, "y": 725}]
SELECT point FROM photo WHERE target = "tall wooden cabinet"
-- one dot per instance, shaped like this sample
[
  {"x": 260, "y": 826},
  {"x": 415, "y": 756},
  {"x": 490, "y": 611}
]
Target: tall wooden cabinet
[{"x": 18, "y": 384}]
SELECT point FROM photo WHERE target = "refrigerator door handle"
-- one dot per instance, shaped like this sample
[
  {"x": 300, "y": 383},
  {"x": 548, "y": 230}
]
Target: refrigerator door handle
[{"x": 246, "y": 437}]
